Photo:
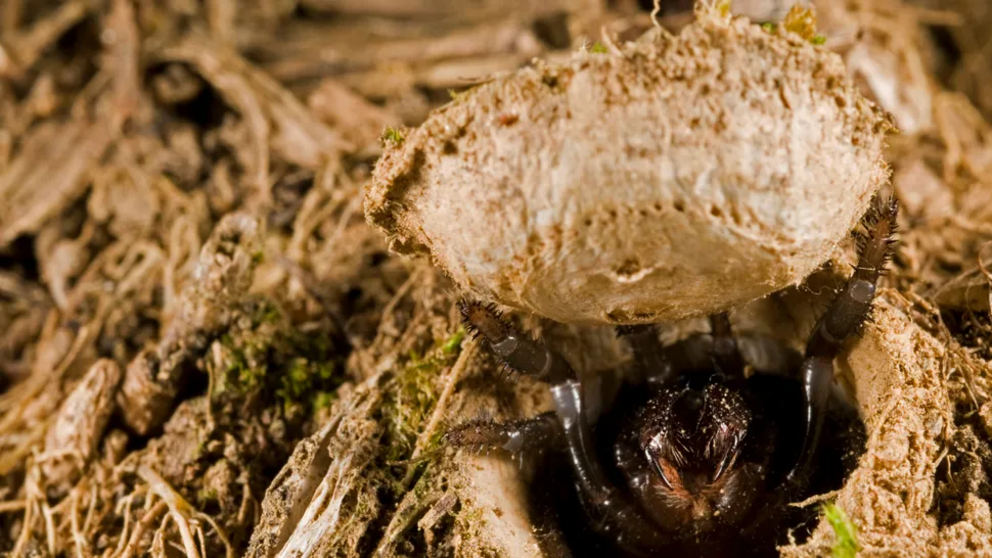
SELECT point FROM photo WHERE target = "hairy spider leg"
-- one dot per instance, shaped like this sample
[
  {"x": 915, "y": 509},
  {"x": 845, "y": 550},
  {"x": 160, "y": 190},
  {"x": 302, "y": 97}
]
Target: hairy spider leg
[
  {"x": 659, "y": 365},
  {"x": 519, "y": 436},
  {"x": 649, "y": 355},
  {"x": 844, "y": 317},
  {"x": 726, "y": 354},
  {"x": 613, "y": 513},
  {"x": 514, "y": 349}
]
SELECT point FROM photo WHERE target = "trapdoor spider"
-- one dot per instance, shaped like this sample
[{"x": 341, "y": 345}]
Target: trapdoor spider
[{"x": 700, "y": 459}]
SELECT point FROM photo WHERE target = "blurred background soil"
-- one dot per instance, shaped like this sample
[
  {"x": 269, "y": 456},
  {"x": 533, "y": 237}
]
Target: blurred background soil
[{"x": 188, "y": 288}]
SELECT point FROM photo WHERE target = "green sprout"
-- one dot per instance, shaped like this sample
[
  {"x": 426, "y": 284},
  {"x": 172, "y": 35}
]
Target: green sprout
[
  {"x": 598, "y": 48},
  {"x": 845, "y": 532},
  {"x": 392, "y": 135},
  {"x": 453, "y": 342}
]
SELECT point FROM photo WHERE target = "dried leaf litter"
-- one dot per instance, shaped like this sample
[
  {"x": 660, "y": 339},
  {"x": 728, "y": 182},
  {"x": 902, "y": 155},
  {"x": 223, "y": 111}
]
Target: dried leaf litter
[{"x": 145, "y": 149}]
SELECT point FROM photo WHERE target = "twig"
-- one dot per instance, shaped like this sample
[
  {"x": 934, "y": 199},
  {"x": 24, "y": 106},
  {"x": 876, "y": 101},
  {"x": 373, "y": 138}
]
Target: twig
[
  {"x": 90, "y": 508},
  {"x": 228, "y": 548},
  {"x": 177, "y": 506},
  {"x": 654, "y": 14},
  {"x": 816, "y": 498},
  {"x": 150, "y": 517},
  {"x": 33, "y": 494},
  {"x": 158, "y": 541},
  {"x": 15, "y": 505},
  {"x": 202, "y": 539},
  {"x": 46, "y": 513},
  {"x": 77, "y": 535},
  {"x": 127, "y": 525}
]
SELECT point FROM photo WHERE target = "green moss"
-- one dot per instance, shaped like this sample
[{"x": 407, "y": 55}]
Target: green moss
[
  {"x": 268, "y": 361},
  {"x": 264, "y": 314},
  {"x": 323, "y": 400},
  {"x": 471, "y": 515},
  {"x": 412, "y": 399},
  {"x": 249, "y": 379},
  {"x": 238, "y": 376},
  {"x": 424, "y": 485},
  {"x": 366, "y": 503},
  {"x": 412, "y": 395},
  {"x": 454, "y": 343},
  {"x": 205, "y": 495},
  {"x": 300, "y": 379},
  {"x": 845, "y": 532},
  {"x": 471, "y": 520},
  {"x": 598, "y": 48},
  {"x": 394, "y": 136},
  {"x": 435, "y": 440}
]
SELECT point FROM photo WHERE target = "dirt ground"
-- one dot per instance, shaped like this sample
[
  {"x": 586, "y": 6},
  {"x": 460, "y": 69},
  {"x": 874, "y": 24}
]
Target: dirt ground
[{"x": 205, "y": 350}]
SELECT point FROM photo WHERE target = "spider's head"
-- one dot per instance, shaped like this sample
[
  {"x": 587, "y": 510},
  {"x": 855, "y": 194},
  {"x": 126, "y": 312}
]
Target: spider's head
[{"x": 692, "y": 439}]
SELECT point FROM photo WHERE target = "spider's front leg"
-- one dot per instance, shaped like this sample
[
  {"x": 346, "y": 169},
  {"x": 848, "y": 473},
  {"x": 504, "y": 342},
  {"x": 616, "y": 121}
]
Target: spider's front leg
[
  {"x": 613, "y": 512},
  {"x": 516, "y": 437},
  {"x": 727, "y": 355},
  {"x": 649, "y": 355},
  {"x": 843, "y": 317},
  {"x": 658, "y": 365}
]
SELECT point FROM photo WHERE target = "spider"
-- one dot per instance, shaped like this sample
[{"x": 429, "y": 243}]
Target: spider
[{"x": 698, "y": 457}]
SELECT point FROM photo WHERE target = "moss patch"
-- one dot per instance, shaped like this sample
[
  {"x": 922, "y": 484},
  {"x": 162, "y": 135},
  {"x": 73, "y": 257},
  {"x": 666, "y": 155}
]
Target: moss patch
[
  {"x": 412, "y": 397},
  {"x": 266, "y": 360}
]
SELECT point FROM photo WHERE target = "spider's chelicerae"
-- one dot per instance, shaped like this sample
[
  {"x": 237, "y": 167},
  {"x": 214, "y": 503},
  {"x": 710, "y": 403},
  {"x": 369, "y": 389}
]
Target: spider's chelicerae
[{"x": 698, "y": 458}]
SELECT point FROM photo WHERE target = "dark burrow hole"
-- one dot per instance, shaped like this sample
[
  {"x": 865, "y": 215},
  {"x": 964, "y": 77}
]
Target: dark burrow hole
[
  {"x": 552, "y": 29},
  {"x": 555, "y": 506},
  {"x": 287, "y": 199},
  {"x": 967, "y": 470},
  {"x": 200, "y": 104},
  {"x": 19, "y": 257},
  {"x": 666, "y": 7},
  {"x": 947, "y": 49}
]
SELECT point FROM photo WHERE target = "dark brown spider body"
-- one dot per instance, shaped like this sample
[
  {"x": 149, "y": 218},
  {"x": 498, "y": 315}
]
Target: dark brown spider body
[
  {"x": 706, "y": 456},
  {"x": 681, "y": 468},
  {"x": 697, "y": 457}
]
